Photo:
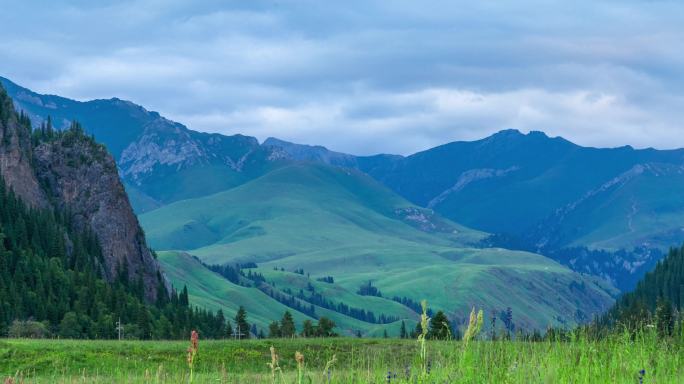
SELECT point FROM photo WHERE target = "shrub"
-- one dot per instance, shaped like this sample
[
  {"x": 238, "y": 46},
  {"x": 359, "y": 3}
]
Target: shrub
[{"x": 28, "y": 329}]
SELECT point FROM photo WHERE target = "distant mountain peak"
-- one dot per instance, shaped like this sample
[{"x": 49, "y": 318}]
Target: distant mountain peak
[
  {"x": 514, "y": 133},
  {"x": 508, "y": 132},
  {"x": 318, "y": 153}
]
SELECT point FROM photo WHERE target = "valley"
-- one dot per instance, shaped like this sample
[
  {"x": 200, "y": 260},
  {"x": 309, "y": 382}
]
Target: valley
[{"x": 461, "y": 225}]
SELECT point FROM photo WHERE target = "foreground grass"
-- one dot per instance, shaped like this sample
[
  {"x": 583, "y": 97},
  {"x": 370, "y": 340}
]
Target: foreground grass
[{"x": 617, "y": 360}]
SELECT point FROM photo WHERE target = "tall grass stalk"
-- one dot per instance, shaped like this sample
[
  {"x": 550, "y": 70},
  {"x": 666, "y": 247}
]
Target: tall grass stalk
[{"x": 422, "y": 337}]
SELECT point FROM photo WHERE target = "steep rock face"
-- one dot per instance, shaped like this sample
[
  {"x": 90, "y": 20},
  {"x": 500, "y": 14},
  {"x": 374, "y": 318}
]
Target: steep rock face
[
  {"x": 81, "y": 177},
  {"x": 162, "y": 144},
  {"x": 15, "y": 155},
  {"x": 165, "y": 144}
]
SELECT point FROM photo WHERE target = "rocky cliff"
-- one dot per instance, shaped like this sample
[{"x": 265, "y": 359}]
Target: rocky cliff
[
  {"x": 16, "y": 154},
  {"x": 69, "y": 171}
]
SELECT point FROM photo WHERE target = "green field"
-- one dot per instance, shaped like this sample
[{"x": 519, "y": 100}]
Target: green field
[
  {"x": 615, "y": 360},
  {"x": 480, "y": 278}
]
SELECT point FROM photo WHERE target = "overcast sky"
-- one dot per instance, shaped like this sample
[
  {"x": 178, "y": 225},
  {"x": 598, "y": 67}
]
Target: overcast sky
[{"x": 366, "y": 76}]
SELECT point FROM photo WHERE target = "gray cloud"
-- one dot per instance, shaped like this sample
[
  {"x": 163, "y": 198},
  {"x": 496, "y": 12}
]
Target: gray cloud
[{"x": 366, "y": 76}]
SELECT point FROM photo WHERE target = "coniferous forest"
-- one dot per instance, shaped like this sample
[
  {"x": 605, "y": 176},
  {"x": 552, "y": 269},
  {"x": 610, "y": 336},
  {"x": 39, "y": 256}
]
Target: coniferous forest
[
  {"x": 51, "y": 284},
  {"x": 51, "y": 274},
  {"x": 657, "y": 301}
]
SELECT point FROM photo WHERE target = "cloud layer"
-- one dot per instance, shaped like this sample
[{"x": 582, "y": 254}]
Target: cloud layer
[{"x": 367, "y": 76}]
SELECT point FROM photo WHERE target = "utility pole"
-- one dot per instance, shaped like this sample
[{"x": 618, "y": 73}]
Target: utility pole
[
  {"x": 237, "y": 334},
  {"x": 119, "y": 328}
]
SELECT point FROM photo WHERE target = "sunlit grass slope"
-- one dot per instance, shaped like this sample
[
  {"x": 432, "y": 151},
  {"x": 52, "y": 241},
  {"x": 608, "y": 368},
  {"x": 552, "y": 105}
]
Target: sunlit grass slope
[
  {"x": 331, "y": 221},
  {"x": 209, "y": 290}
]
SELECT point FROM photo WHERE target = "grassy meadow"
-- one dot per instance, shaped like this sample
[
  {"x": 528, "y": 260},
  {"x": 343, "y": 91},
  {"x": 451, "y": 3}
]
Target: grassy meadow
[
  {"x": 343, "y": 224},
  {"x": 345, "y": 360}
]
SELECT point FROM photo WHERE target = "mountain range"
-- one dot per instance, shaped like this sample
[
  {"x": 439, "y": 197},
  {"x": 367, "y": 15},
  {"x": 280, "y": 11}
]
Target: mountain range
[{"x": 451, "y": 214}]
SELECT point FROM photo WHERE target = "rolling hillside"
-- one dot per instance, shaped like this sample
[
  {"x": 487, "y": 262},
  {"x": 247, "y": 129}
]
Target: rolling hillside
[
  {"x": 209, "y": 290},
  {"x": 296, "y": 209},
  {"x": 611, "y": 212},
  {"x": 229, "y": 198},
  {"x": 529, "y": 186},
  {"x": 341, "y": 223}
]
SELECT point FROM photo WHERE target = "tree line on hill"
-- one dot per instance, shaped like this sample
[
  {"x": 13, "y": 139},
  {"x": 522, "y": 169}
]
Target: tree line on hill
[
  {"x": 285, "y": 328},
  {"x": 301, "y": 302},
  {"x": 657, "y": 301},
  {"x": 582, "y": 258}
]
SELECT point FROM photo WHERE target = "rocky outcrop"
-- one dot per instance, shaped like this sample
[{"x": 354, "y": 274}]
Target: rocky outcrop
[
  {"x": 469, "y": 177},
  {"x": 165, "y": 144},
  {"x": 15, "y": 155},
  {"x": 161, "y": 144},
  {"x": 80, "y": 177},
  {"x": 74, "y": 174},
  {"x": 315, "y": 153}
]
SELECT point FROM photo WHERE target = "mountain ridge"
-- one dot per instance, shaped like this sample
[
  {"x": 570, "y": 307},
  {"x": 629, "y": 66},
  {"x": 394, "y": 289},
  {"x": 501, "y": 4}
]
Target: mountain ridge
[{"x": 510, "y": 183}]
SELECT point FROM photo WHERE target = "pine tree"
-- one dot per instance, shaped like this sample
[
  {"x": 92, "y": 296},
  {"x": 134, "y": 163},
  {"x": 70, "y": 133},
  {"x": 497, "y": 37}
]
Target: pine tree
[
  {"x": 287, "y": 326},
  {"x": 417, "y": 331},
  {"x": 184, "y": 300},
  {"x": 274, "y": 330},
  {"x": 440, "y": 328},
  {"x": 308, "y": 329},
  {"x": 229, "y": 329},
  {"x": 325, "y": 327},
  {"x": 241, "y": 325},
  {"x": 664, "y": 317},
  {"x": 254, "y": 330},
  {"x": 144, "y": 323},
  {"x": 402, "y": 331}
]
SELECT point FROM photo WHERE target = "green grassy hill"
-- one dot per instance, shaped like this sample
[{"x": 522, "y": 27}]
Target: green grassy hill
[
  {"x": 298, "y": 209},
  {"x": 341, "y": 223},
  {"x": 209, "y": 290}
]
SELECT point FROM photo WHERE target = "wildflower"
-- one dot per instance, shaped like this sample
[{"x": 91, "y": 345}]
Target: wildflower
[
  {"x": 642, "y": 373},
  {"x": 192, "y": 352},
  {"x": 389, "y": 376}
]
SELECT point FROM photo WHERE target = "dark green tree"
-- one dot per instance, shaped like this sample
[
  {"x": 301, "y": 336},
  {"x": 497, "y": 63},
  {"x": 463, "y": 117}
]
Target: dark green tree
[
  {"x": 287, "y": 326},
  {"x": 241, "y": 325},
  {"x": 440, "y": 328},
  {"x": 70, "y": 327},
  {"x": 274, "y": 330},
  {"x": 229, "y": 330},
  {"x": 402, "y": 330},
  {"x": 308, "y": 329},
  {"x": 325, "y": 327}
]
